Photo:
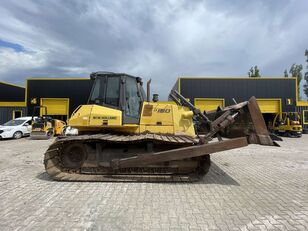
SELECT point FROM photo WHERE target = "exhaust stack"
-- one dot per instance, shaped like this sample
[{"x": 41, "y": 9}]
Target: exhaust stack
[{"x": 149, "y": 90}]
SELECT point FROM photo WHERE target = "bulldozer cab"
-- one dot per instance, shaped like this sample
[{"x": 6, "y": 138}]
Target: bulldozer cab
[{"x": 118, "y": 91}]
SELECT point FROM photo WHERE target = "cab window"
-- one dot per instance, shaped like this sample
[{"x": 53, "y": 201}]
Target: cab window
[
  {"x": 132, "y": 98},
  {"x": 97, "y": 94},
  {"x": 113, "y": 91}
]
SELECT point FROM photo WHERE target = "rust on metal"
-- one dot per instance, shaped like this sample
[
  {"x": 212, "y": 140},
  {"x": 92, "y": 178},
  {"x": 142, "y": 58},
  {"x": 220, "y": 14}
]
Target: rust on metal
[
  {"x": 261, "y": 135},
  {"x": 180, "y": 153}
]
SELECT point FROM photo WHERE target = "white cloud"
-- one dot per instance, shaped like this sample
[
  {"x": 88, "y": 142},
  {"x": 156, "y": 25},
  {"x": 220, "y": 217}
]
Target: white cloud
[
  {"x": 12, "y": 60},
  {"x": 157, "y": 39}
]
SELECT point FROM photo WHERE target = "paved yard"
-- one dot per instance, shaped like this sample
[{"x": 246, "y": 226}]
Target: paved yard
[{"x": 254, "y": 188}]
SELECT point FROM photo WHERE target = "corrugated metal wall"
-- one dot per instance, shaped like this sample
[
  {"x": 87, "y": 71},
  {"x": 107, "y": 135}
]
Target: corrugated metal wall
[
  {"x": 10, "y": 93},
  {"x": 77, "y": 90},
  {"x": 6, "y": 113},
  {"x": 300, "y": 111},
  {"x": 240, "y": 89}
]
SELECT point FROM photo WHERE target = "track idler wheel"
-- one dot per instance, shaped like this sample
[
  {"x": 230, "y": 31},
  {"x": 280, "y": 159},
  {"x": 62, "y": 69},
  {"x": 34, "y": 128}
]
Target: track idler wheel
[
  {"x": 205, "y": 164},
  {"x": 74, "y": 156}
]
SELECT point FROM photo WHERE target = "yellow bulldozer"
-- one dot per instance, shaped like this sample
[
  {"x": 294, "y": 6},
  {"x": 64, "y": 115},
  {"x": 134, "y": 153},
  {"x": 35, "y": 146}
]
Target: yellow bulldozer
[
  {"x": 44, "y": 127},
  {"x": 120, "y": 135}
]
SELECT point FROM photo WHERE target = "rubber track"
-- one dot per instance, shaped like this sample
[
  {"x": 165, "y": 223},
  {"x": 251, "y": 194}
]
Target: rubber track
[{"x": 53, "y": 168}]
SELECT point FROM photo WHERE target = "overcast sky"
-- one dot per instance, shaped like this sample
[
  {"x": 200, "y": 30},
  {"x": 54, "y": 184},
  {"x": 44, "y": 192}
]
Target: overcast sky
[{"x": 154, "y": 39}]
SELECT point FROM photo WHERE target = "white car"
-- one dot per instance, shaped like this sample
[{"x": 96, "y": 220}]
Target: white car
[{"x": 16, "y": 128}]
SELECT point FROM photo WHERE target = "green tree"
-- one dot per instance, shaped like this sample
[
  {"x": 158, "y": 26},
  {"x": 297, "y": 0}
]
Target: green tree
[
  {"x": 286, "y": 73},
  {"x": 254, "y": 72},
  {"x": 306, "y": 75},
  {"x": 296, "y": 71}
]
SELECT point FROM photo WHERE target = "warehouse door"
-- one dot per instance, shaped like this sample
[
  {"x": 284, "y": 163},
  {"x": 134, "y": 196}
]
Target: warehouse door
[
  {"x": 58, "y": 108},
  {"x": 17, "y": 114},
  {"x": 269, "y": 105},
  {"x": 209, "y": 104}
]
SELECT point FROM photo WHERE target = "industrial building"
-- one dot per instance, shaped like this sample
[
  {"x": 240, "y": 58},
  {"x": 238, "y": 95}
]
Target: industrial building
[
  {"x": 61, "y": 96},
  {"x": 274, "y": 95},
  {"x": 12, "y": 102}
]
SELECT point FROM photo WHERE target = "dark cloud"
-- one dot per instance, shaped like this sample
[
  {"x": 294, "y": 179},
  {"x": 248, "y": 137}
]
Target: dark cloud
[{"x": 153, "y": 39}]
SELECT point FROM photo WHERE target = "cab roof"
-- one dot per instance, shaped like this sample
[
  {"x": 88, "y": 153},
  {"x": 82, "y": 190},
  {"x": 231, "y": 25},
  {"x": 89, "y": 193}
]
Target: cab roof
[{"x": 93, "y": 75}]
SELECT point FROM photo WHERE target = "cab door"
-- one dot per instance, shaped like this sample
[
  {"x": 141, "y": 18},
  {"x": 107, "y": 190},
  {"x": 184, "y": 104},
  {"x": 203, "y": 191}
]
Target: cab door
[{"x": 133, "y": 101}]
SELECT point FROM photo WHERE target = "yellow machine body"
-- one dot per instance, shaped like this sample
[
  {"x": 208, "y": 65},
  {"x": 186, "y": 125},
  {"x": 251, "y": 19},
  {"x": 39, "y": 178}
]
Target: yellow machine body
[
  {"x": 58, "y": 127},
  {"x": 155, "y": 118},
  {"x": 287, "y": 124},
  {"x": 46, "y": 129},
  {"x": 42, "y": 129}
]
